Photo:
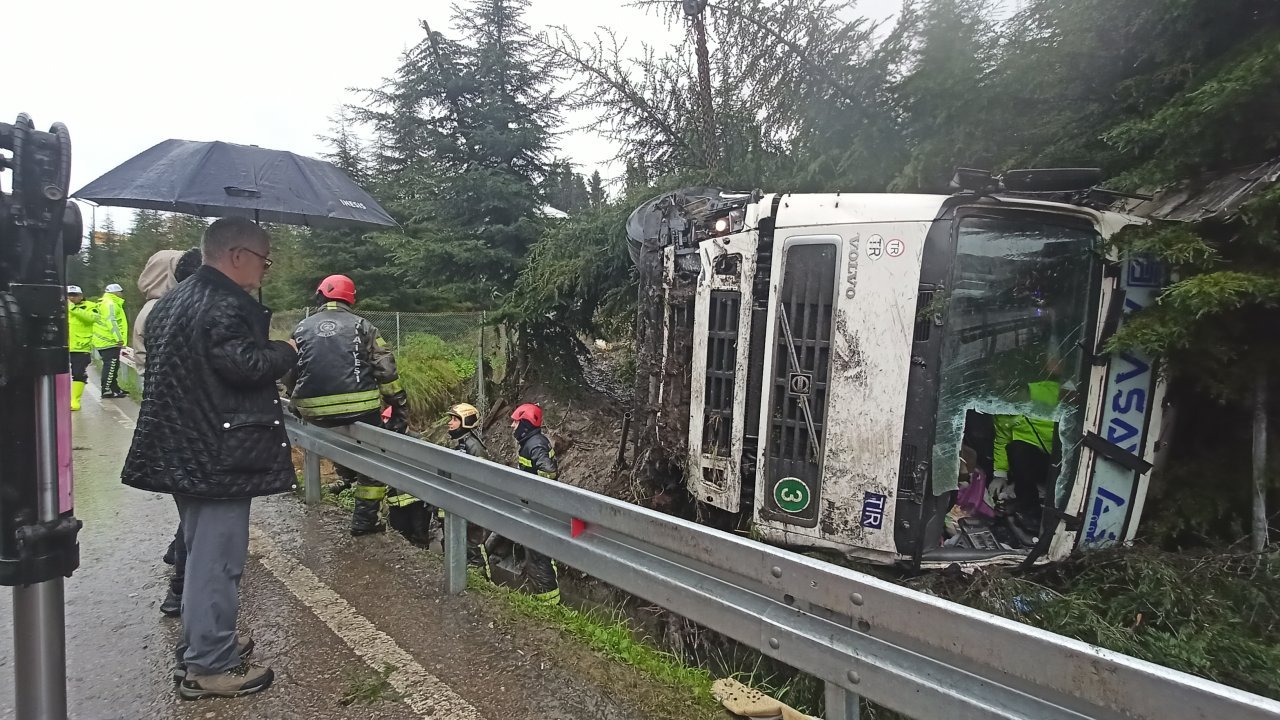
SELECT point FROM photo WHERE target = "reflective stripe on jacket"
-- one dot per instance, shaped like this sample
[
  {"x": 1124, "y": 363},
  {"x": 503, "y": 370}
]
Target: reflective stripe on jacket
[
  {"x": 537, "y": 456},
  {"x": 344, "y": 367},
  {"x": 112, "y": 328}
]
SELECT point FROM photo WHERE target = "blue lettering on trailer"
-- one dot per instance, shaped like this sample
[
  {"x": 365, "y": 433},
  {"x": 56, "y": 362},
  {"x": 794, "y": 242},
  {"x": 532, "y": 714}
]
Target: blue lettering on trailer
[{"x": 1126, "y": 409}]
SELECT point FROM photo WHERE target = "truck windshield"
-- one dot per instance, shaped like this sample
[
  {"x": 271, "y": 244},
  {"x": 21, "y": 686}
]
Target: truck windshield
[{"x": 1019, "y": 318}]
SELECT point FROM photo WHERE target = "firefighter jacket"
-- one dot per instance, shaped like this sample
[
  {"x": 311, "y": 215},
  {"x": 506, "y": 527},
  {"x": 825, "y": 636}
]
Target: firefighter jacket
[
  {"x": 344, "y": 368},
  {"x": 468, "y": 442},
  {"x": 537, "y": 455},
  {"x": 81, "y": 320},
  {"x": 112, "y": 328}
]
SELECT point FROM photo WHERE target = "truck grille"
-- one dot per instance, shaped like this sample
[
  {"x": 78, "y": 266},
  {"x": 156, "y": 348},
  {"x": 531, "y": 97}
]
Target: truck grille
[
  {"x": 805, "y": 307},
  {"x": 722, "y": 356}
]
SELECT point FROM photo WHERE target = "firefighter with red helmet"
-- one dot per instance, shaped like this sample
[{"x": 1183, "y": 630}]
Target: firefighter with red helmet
[
  {"x": 344, "y": 375},
  {"x": 536, "y": 455}
]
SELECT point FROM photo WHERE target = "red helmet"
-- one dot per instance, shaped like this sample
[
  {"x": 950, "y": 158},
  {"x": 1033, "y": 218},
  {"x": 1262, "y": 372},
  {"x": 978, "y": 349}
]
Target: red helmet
[
  {"x": 530, "y": 412},
  {"x": 338, "y": 287}
]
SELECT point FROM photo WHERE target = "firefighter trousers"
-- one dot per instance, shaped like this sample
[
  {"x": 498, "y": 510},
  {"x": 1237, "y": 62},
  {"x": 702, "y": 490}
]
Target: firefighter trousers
[{"x": 406, "y": 514}]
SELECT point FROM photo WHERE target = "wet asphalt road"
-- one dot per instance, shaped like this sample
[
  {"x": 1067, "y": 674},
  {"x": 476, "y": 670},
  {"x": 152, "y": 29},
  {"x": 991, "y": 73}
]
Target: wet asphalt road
[{"x": 322, "y": 607}]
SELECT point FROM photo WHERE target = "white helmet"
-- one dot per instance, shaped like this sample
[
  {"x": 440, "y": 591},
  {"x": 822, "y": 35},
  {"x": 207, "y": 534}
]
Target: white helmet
[
  {"x": 74, "y": 290},
  {"x": 114, "y": 288}
]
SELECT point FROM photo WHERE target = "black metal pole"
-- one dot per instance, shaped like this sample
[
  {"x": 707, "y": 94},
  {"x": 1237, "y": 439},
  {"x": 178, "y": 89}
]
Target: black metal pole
[
  {"x": 39, "y": 635},
  {"x": 38, "y": 230}
]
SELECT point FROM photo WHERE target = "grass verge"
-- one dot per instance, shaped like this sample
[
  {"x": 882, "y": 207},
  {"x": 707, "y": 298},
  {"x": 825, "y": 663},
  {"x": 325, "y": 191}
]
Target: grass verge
[
  {"x": 1211, "y": 615},
  {"x": 608, "y": 633}
]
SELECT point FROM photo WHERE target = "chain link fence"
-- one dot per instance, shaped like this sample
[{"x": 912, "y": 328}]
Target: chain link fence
[{"x": 440, "y": 355}]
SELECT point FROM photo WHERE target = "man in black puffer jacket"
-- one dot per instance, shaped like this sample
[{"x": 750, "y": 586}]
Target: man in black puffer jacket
[{"x": 210, "y": 432}]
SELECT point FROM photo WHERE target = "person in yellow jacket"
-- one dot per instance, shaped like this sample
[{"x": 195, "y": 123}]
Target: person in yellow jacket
[
  {"x": 1024, "y": 449},
  {"x": 109, "y": 337},
  {"x": 82, "y": 316}
]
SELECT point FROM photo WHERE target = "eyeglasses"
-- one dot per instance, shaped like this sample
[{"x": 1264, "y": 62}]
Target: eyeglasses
[{"x": 266, "y": 261}]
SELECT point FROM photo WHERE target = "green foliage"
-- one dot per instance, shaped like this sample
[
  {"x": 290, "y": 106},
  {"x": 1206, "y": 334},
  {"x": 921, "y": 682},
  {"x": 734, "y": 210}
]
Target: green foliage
[
  {"x": 1175, "y": 243},
  {"x": 596, "y": 197},
  {"x": 611, "y": 635},
  {"x": 1207, "y": 325},
  {"x": 955, "y": 47},
  {"x": 462, "y": 152},
  {"x": 1186, "y": 134},
  {"x": 1212, "y": 616},
  {"x": 1262, "y": 214},
  {"x": 1191, "y": 505},
  {"x": 565, "y": 189},
  {"x": 345, "y": 499},
  {"x": 121, "y": 258},
  {"x": 808, "y": 97},
  {"x": 580, "y": 280},
  {"x": 433, "y": 372}
]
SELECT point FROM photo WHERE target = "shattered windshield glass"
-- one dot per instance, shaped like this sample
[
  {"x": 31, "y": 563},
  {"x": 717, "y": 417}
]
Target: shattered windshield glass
[{"x": 1018, "y": 313}]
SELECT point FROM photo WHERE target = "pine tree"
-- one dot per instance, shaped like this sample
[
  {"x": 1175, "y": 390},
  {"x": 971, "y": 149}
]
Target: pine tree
[
  {"x": 637, "y": 174},
  {"x": 596, "y": 197},
  {"x": 464, "y": 139},
  {"x": 345, "y": 149},
  {"x": 942, "y": 99}
]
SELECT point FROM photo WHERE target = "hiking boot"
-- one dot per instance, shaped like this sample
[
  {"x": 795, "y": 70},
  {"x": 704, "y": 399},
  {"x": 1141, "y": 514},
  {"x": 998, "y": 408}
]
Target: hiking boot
[
  {"x": 172, "y": 605},
  {"x": 358, "y": 530},
  {"x": 243, "y": 679},
  {"x": 244, "y": 647}
]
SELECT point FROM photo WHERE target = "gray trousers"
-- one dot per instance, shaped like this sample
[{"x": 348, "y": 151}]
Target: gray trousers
[{"x": 217, "y": 536}]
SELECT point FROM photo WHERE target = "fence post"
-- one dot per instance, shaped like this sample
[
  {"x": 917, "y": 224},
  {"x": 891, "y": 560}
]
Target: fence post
[
  {"x": 481, "y": 398},
  {"x": 311, "y": 476},
  {"x": 397, "y": 331},
  {"x": 455, "y": 553}
]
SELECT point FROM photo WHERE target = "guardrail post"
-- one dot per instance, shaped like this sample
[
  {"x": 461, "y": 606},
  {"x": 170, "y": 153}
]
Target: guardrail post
[
  {"x": 311, "y": 476},
  {"x": 841, "y": 704},
  {"x": 455, "y": 553}
]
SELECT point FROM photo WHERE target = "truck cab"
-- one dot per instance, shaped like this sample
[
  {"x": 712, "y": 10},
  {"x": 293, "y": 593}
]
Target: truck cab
[{"x": 900, "y": 378}]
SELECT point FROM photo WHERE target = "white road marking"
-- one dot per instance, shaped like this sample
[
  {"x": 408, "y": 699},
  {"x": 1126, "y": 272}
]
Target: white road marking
[{"x": 429, "y": 696}]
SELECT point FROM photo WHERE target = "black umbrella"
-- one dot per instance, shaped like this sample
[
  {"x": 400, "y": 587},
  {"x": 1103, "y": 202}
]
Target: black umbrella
[{"x": 218, "y": 179}]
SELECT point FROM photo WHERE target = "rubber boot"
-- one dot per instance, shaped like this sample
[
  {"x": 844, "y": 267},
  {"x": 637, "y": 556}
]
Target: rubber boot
[
  {"x": 540, "y": 574},
  {"x": 413, "y": 521},
  {"x": 364, "y": 519},
  {"x": 477, "y": 557},
  {"x": 77, "y": 389}
]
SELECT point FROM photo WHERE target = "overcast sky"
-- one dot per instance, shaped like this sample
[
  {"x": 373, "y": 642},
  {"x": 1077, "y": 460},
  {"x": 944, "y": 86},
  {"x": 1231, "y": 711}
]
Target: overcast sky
[{"x": 125, "y": 75}]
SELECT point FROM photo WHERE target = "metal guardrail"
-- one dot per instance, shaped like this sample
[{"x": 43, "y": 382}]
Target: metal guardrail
[{"x": 920, "y": 655}]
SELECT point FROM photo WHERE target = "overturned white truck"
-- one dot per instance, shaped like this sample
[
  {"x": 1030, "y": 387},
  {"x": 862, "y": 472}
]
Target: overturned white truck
[{"x": 833, "y": 371}]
